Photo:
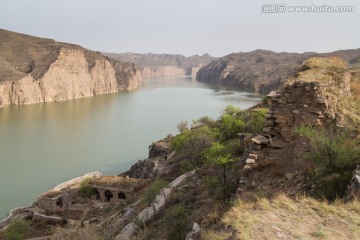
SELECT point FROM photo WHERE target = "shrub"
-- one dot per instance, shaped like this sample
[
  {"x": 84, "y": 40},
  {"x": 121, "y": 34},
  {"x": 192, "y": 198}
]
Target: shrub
[
  {"x": 186, "y": 167},
  {"x": 182, "y": 126},
  {"x": 335, "y": 155},
  {"x": 255, "y": 121},
  {"x": 204, "y": 121},
  {"x": 17, "y": 230},
  {"x": 86, "y": 190},
  {"x": 230, "y": 123},
  {"x": 176, "y": 220},
  {"x": 219, "y": 155},
  {"x": 192, "y": 143},
  {"x": 152, "y": 191},
  {"x": 231, "y": 110}
]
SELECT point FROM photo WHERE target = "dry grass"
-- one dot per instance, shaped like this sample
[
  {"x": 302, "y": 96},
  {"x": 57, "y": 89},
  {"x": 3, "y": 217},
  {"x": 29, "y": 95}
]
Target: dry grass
[
  {"x": 321, "y": 62},
  {"x": 325, "y": 70},
  {"x": 282, "y": 217},
  {"x": 116, "y": 181},
  {"x": 354, "y": 105},
  {"x": 52, "y": 194}
]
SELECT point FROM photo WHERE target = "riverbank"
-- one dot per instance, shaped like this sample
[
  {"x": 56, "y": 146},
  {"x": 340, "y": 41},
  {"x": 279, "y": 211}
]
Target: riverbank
[{"x": 41, "y": 142}]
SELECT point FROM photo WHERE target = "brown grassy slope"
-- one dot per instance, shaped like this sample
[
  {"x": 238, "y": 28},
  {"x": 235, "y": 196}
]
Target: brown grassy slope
[
  {"x": 23, "y": 54},
  {"x": 285, "y": 218}
]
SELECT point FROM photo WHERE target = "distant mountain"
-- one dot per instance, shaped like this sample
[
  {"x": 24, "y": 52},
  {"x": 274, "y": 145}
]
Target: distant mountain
[
  {"x": 164, "y": 64},
  {"x": 34, "y": 69},
  {"x": 262, "y": 70}
]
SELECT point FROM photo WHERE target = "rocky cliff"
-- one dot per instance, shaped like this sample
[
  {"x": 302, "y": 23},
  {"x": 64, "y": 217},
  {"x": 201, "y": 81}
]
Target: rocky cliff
[
  {"x": 34, "y": 70},
  {"x": 158, "y": 65},
  {"x": 162, "y": 71},
  {"x": 261, "y": 70}
]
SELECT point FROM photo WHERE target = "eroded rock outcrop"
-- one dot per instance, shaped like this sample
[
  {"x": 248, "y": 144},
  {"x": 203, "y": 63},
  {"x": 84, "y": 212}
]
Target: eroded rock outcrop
[
  {"x": 262, "y": 70},
  {"x": 53, "y": 71}
]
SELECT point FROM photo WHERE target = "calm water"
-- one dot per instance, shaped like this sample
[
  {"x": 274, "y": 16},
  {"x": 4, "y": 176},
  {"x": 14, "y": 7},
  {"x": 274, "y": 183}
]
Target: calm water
[{"x": 42, "y": 145}]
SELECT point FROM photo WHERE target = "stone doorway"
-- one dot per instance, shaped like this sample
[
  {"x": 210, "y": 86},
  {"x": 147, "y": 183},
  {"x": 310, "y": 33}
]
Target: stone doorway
[
  {"x": 108, "y": 196},
  {"x": 97, "y": 194},
  {"x": 121, "y": 195}
]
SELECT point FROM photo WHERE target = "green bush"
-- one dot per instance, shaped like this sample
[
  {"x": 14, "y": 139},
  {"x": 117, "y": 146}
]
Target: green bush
[
  {"x": 176, "y": 219},
  {"x": 335, "y": 155},
  {"x": 231, "y": 110},
  {"x": 17, "y": 230},
  {"x": 255, "y": 121},
  {"x": 219, "y": 155},
  {"x": 204, "y": 121},
  {"x": 86, "y": 190},
  {"x": 230, "y": 123},
  {"x": 192, "y": 143}
]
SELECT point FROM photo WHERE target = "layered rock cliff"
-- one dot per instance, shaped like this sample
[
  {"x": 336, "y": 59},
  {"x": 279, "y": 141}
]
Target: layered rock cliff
[
  {"x": 261, "y": 70},
  {"x": 159, "y": 65},
  {"x": 162, "y": 71},
  {"x": 34, "y": 70}
]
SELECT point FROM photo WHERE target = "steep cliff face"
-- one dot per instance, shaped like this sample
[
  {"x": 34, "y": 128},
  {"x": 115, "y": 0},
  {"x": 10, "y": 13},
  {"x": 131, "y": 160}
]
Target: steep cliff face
[
  {"x": 162, "y": 71},
  {"x": 159, "y": 65},
  {"x": 58, "y": 72},
  {"x": 260, "y": 70}
]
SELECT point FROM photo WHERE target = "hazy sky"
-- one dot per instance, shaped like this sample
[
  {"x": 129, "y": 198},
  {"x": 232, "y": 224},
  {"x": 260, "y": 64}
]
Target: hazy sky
[{"x": 217, "y": 27}]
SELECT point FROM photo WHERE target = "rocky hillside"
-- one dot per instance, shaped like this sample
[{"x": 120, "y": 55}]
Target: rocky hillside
[
  {"x": 34, "y": 70},
  {"x": 155, "y": 65},
  {"x": 261, "y": 70},
  {"x": 262, "y": 173}
]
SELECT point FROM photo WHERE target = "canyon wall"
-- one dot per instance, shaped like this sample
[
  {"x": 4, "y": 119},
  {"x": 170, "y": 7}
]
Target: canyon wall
[
  {"x": 53, "y": 71},
  {"x": 162, "y": 71},
  {"x": 70, "y": 77},
  {"x": 161, "y": 65}
]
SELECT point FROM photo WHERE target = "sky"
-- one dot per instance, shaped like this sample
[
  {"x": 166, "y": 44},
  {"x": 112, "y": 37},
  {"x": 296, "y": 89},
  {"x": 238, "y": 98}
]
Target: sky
[{"x": 217, "y": 27}]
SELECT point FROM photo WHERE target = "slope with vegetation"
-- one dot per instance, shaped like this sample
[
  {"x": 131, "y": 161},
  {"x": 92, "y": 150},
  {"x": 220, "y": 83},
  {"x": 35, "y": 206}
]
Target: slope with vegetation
[{"x": 282, "y": 169}]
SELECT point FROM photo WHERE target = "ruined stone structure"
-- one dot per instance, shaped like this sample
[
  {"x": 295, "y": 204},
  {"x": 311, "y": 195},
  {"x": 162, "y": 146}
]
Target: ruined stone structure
[
  {"x": 279, "y": 149},
  {"x": 114, "y": 189},
  {"x": 111, "y": 194},
  {"x": 55, "y": 201}
]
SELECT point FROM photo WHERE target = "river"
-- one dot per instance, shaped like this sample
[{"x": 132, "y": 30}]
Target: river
[{"x": 42, "y": 145}]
